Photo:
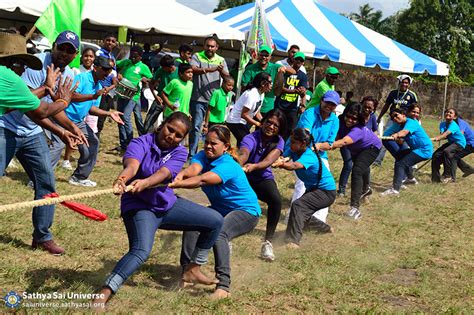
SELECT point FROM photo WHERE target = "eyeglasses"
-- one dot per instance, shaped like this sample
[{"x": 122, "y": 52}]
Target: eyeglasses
[{"x": 67, "y": 48}]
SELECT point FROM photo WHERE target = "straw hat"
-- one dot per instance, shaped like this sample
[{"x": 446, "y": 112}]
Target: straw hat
[{"x": 14, "y": 45}]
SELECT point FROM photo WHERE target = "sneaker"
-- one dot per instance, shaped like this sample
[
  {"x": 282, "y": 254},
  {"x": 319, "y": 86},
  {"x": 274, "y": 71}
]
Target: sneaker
[
  {"x": 230, "y": 248},
  {"x": 318, "y": 226},
  {"x": 73, "y": 180},
  {"x": 468, "y": 173},
  {"x": 390, "y": 191},
  {"x": 48, "y": 246},
  {"x": 266, "y": 252},
  {"x": 30, "y": 184},
  {"x": 341, "y": 193},
  {"x": 354, "y": 213},
  {"x": 410, "y": 181},
  {"x": 404, "y": 187},
  {"x": 66, "y": 164},
  {"x": 366, "y": 193},
  {"x": 447, "y": 180}
]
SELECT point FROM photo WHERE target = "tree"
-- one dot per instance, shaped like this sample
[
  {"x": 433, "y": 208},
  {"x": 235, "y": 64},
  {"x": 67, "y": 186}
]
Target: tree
[
  {"x": 443, "y": 30},
  {"x": 227, "y": 4},
  {"x": 368, "y": 17}
]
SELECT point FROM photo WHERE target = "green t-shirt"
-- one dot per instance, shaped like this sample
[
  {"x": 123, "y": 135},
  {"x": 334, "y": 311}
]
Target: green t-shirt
[
  {"x": 178, "y": 90},
  {"x": 318, "y": 93},
  {"x": 15, "y": 94},
  {"x": 134, "y": 73},
  {"x": 164, "y": 77},
  {"x": 218, "y": 105},
  {"x": 250, "y": 73}
]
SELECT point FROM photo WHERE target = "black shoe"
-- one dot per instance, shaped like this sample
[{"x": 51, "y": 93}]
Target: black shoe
[
  {"x": 366, "y": 193},
  {"x": 318, "y": 226},
  {"x": 48, "y": 246},
  {"x": 468, "y": 173}
]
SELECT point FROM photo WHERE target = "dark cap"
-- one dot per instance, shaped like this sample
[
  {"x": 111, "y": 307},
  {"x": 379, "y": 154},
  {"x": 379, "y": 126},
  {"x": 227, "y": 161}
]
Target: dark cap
[
  {"x": 103, "y": 62},
  {"x": 68, "y": 37}
]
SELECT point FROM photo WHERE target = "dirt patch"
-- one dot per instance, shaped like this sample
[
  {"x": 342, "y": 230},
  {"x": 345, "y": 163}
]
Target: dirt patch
[{"x": 401, "y": 276}]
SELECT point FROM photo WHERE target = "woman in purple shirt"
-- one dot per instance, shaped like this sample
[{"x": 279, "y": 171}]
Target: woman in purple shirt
[
  {"x": 258, "y": 151},
  {"x": 364, "y": 147},
  {"x": 149, "y": 162},
  {"x": 369, "y": 106}
]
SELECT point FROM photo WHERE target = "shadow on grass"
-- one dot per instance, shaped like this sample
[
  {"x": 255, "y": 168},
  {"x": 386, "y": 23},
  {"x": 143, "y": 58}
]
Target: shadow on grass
[
  {"x": 7, "y": 239},
  {"x": 18, "y": 175}
]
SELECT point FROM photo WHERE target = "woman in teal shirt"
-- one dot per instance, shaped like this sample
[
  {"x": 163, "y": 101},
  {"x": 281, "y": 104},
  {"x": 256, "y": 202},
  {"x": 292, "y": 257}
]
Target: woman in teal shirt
[
  {"x": 445, "y": 154},
  {"x": 225, "y": 184}
]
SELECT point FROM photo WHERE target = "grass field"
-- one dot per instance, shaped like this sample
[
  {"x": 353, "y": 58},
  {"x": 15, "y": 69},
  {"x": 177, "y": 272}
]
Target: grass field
[{"x": 412, "y": 253}]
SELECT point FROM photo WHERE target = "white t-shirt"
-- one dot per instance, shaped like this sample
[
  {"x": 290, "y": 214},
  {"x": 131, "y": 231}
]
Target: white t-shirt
[
  {"x": 250, "y": 99},
  {"x": 286, "y": 64}
]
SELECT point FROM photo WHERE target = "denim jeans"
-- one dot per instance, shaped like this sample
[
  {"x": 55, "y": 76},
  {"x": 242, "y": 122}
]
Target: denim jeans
[
  {"x": 236, "y": 223},
  {"x": 346, "y": 169},
  {"x": 397, "y": 151},
  {"x": 152, "y": 116},
  {"x": 88, "y": 154},
  {"x": 127, "y": 106},
  {"x": 404, "y": 161},
  {"x": 33, "y": 154},
  {"x": 106, "y": 103},
  {"x": 197, "y": 110},
  {"x": 141, "y": 228},
  {"x": 463, "y": 166}
]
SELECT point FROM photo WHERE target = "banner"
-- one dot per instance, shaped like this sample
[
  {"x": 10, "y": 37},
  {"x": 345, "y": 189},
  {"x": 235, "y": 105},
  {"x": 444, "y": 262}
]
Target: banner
[
  {"x": 259, "y": 33},
  {"x": 59, "y": 16}
]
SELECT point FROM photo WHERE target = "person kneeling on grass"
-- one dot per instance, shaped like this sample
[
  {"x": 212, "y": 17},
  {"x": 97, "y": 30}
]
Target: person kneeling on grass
[
  {"x": 151, "y": 160},
  {"x": 318, "y": 181},
  {"x": 258, "y": 151},
  {"x": 223, "y": 181},
  {"x": 410, "y": 145},
  {"x": 364, "y": 147}
]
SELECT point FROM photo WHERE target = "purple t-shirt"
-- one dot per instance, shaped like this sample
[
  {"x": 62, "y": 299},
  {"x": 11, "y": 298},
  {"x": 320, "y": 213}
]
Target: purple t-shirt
[
  {"x": 152, "y": 158},
  {"x": 257, "y": 152},
  {"x": 363, "y": 138}
]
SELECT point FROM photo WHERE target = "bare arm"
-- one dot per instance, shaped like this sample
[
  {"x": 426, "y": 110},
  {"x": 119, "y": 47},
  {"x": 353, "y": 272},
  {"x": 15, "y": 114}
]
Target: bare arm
[
  {"x": 263, "y": 164},
  {"x": 342, "y": 142},
  {"x": 208, "y": 178},
  {"x": 245, "y": 115}
]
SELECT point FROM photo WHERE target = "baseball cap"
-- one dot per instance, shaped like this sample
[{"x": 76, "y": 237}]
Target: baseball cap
[
  {"x": 14, "y": 46},
  {"x": 68, "y": 37},
  {"x": 299, "y": 54},
  {"x": 332, "y": 97},
  {"x": 403, "y": 77},
  {"x": 332, "y": 70},
  {"x": 103, "y": 62},
  {"x": 265, "y": 48}
]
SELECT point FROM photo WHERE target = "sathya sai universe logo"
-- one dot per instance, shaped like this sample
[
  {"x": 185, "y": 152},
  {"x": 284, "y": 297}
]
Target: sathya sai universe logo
[{"x": 12, "y": 299}]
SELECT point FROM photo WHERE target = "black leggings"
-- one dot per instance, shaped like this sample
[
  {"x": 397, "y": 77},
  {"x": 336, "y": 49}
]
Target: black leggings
[
  {"x": 361, "y": 173},
  {"x": 239, "y": 131},
  {"x": 267, "y": 191}
]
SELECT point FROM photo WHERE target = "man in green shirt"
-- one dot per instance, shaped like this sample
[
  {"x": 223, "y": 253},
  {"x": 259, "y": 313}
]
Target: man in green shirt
[
  {"x": 274, "y": 70},
  {"x": 327, "y": 84},
  {"x": 134, "y": 70}
]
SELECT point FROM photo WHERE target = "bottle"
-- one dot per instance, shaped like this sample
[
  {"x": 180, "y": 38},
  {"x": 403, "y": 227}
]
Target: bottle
[{"x": 176, "y": 105}]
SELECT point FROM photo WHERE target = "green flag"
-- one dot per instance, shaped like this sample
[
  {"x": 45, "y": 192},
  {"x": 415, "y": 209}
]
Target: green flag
[{"x": 59, "y": 16}]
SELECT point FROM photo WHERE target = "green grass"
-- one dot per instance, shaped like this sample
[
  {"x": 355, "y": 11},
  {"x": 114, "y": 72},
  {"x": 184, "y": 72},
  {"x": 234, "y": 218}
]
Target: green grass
[{"x": 408, "y": 254}]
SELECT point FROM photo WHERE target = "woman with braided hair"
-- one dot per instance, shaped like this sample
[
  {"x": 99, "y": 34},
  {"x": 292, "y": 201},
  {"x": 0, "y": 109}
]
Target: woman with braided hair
[{"x": 318, "y": 181}]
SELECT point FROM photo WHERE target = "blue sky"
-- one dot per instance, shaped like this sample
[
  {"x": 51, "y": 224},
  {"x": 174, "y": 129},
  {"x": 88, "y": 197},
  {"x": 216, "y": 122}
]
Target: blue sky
[{"x": 340, "y": 6}]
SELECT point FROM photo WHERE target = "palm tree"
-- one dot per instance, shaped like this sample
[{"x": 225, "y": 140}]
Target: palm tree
[{"x": 368, "y": 17}]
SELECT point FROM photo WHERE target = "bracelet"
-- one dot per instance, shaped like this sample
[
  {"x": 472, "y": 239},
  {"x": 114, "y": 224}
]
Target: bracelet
[
  {"x": 62, "y": 100},
  {"x": 121, "y": 178}
]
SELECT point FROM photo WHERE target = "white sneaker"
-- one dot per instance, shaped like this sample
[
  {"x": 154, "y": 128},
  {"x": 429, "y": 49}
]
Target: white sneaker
[
  {"x": 404, "y": 187},
  {"x": 390, "y": 191},
  {"x": 81, "y": 182},
  {"x": 230, "y": 248},
  {"x": 66, "y": 164},
  {"x": 30, "y": 185},
  {"x": 267, "y": 251},
  {"x": 354, "y": 213}
]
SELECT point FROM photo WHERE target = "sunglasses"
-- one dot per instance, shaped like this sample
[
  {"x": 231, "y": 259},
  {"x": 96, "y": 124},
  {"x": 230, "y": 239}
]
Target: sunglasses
[
  {"x": 67, "y": 48},
  {"x": 264, "y": 55}
]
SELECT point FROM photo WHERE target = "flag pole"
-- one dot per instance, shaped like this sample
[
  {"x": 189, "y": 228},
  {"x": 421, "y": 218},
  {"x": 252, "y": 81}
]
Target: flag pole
[{"x": 30, "y": 33}]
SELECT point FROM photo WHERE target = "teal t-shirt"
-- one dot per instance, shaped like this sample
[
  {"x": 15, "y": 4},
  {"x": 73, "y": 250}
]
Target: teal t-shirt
[
  {"x": 235, "y": 192},
  {"x": 178, "y": 90},
  {"x": 456, "y": 136},
  {"x": 250, "y": 73},
  {"x": 309, "y": 174},
  {"x": 164, "y": 77},
  {"x": 15, "y": 94},
  {"x": 134, "y": 73},
  {"x": 77, "y": 111},
  {"x": 218, "y": 105},
  {"x": 417, "y": 139}
]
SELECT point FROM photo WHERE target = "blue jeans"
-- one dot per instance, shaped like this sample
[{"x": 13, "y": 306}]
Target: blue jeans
[
  {"x": 404, "y": 161},
  {"x": 346, "y": 169},
  {"x": 33, "y": 154},
  {"x": 236, "y": 223},
  {"x": 88, "y": 154},
  {"x": 197, "y": 110},
  {"x": 141, "y": 228},
  {"x": 127, "y": 106}
]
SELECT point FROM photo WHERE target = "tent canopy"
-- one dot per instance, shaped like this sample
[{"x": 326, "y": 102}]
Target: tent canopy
[
  {"x": 323, "y": 34},
  {"x": 162, "y": 16}
]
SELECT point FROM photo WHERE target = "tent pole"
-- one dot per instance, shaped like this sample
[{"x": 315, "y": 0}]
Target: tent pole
[
  {"x": 30, "y": 33},
  {"x": 240, "y": 72},
  {"x": 445, "y": 96}
]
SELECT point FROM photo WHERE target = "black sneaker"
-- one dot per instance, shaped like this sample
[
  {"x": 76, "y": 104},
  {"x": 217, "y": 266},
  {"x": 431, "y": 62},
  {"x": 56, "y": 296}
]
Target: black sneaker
[
  {"x": 366, "y": 193},
  {"x": 468, "y": 173},
  {"x": 318, "y": 226}
]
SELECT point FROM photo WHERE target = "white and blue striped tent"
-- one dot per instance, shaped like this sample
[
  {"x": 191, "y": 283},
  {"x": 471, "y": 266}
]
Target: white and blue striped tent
[{"x": 323, "y": 34}]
